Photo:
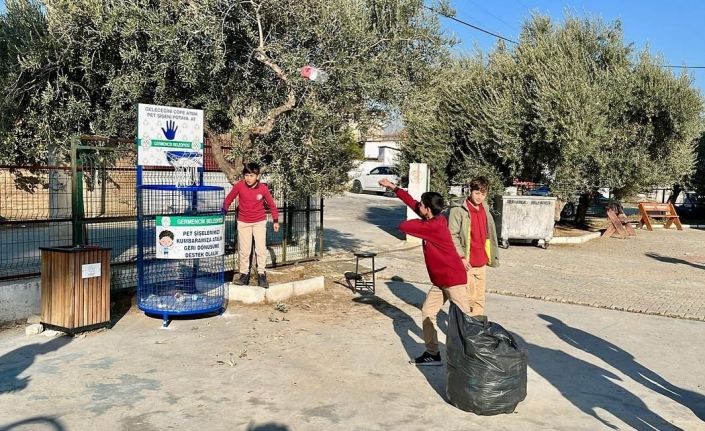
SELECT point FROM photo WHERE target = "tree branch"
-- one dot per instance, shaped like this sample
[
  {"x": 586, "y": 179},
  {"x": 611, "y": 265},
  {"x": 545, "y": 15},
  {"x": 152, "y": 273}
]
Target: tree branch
[
  {"x": 266, "y": 125},
  {"x": 216, "y": 142}
]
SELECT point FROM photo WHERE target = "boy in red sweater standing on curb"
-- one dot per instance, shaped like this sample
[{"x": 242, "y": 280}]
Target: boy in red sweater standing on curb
[
  {"x": 445, "y": 268},
  {"x": 252, "y": 222}
]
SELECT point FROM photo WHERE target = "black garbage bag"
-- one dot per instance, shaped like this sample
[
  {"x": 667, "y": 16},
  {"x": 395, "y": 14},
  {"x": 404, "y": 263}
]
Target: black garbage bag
[{"x": 486, "y": 368}]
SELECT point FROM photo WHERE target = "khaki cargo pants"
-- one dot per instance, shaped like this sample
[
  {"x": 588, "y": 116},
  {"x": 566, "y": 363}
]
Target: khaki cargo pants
[
  {"x": 476, "y": 290},
  {"x": 435, "y": 299},
  {"x": 245, "y": 233}
]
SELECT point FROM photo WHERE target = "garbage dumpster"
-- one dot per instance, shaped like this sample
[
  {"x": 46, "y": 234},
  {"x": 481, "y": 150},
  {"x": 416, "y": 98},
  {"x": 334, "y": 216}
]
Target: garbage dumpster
[
  {"x": 525, "y": 218},
  {"x": 75, "y": 288}
]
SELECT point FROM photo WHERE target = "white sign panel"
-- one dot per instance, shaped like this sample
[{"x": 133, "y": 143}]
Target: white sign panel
[
  {"x": 90, "y": 270},
  {"x": 190, "y": 237},
  {"x": 161, "y": 129}
]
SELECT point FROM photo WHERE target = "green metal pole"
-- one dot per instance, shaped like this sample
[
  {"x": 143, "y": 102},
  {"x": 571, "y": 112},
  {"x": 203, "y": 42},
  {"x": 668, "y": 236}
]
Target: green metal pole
[
  {"x": 77, "y": 214},
  {"x": 286, "y": 227},
  {"x": 320, "y": 232}
]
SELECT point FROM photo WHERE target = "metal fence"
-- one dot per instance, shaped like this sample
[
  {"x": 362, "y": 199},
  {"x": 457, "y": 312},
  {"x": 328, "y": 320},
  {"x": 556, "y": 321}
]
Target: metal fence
[{"x": 92, "y": 200}]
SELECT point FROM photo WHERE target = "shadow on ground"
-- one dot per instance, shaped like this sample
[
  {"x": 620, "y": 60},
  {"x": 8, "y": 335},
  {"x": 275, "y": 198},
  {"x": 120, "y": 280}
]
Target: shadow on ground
[
  {"x": 626, "y": 364},
  {"x": 589, "y": 387},
  {"x": 334, "y": 239},
  {"x": 404, "y": 326},
  {"x": 17, "y": 361},
  {"x": 37, "y": 423},
  {"x": 674, "y": 260},
  {"x": 270, "y": 426},
  {"x": 387, "y": 219},
  {"x": 414, "y": 296}
]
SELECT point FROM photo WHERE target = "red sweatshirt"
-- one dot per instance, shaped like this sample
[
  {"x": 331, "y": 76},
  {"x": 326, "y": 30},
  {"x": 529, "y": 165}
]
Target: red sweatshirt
[
  {"x": 478, "y": 235},
  {"x": 252, "y": 199},
  {"x": 445, "y": 269}
]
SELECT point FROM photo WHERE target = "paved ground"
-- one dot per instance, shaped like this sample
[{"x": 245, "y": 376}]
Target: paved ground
[
  {"x": 337, "y": 361},
  {"x": 334, "y": 362},
  {"x": 660, "y": 272}
]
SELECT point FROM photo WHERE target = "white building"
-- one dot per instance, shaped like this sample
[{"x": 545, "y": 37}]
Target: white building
[{"x": 379, "y": 149}]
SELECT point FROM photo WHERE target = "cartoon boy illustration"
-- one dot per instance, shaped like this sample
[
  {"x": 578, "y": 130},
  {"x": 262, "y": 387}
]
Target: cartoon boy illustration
[{"x": 166, "y": 240}]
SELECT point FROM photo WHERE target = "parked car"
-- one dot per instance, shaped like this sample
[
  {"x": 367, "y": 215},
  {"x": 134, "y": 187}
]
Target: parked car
[
  {"x": 540, "y": 191},
  {"x": 369, "y": 181},
  {"x": 691, "y": 207}
]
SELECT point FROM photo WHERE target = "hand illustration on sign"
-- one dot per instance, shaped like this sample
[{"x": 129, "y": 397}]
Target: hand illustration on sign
[{"x": 170, "y": 132}]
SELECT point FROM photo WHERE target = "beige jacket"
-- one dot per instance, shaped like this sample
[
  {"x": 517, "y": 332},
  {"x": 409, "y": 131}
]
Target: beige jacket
[{"x": 459, "y": 226}]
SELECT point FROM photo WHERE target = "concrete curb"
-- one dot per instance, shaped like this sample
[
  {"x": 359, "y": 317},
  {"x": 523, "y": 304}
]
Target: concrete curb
[
  {"x": 557, "y": 240},
  {"x": 685, "y": 226},
  {"x": 276, "y": 292},
  {"x": 594, "y": 235},
  {"x": 19, "y": 299}
]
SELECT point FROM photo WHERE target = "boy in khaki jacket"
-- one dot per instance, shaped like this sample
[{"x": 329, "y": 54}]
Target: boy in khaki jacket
[{"x": 474, "y": 234}]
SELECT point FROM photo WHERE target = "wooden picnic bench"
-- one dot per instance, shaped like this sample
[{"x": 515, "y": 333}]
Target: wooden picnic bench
[
  {"x": 618, "y": 225},
  {"x": 654, "y": 210}
]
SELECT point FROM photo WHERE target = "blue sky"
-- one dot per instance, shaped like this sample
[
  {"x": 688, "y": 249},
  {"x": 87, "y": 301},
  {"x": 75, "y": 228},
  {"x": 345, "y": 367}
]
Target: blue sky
[{"x": 675, "y": 29}]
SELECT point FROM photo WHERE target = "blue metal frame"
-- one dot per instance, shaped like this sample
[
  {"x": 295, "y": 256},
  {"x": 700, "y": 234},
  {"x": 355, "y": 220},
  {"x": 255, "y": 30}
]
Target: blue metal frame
[{"x": 174, "y": 285}]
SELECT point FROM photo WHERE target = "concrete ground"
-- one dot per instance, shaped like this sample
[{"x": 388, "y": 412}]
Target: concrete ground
[
  {"x": 660, "y": 272},
  {"x": 337, "y": 360}
]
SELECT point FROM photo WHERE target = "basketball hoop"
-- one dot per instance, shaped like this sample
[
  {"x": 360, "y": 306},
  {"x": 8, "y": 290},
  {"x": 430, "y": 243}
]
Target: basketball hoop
[{"x": 186, "y": 164}]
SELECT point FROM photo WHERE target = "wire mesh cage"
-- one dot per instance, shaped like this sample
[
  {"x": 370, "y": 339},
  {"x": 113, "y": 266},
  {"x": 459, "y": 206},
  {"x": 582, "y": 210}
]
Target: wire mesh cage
[{"x": 180, "y": 234}]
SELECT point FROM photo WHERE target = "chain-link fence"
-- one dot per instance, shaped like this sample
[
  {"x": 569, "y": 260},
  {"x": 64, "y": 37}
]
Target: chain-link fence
[{"x": 92, "y": 200}]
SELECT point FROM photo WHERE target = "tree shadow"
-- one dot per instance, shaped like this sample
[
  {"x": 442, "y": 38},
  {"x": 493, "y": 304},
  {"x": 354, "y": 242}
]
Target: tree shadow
[
  {"x": 35, "y": 423},
  {"x": 334, "y": 239},
  {"x": 414, "y": 296},
  {"x": 591, "y": 388},
  {"x": 269, "y": 426},
  {"x": 674, "y": 260},
  {"x": 404, "y": 326},
  {"x": 625, "y": 363},
  {"x": 15, "y": 362},
  {"x": 387, "y": 219}
]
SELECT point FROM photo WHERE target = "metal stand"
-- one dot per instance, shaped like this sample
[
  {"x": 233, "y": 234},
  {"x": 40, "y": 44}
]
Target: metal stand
[{"x": 356, "y": 280}]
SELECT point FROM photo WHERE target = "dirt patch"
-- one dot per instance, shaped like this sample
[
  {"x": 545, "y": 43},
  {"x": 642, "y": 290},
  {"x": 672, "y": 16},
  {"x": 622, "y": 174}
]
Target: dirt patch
[{"x": 569, "y": 231}]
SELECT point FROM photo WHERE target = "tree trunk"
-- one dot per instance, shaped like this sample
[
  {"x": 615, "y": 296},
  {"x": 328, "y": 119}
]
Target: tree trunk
[
  {"x": 216, "y": 142},
  {"x": 675, "y": 193},
  {"x": 560, "y": 204},
  {"x": 583, "y": 206}
]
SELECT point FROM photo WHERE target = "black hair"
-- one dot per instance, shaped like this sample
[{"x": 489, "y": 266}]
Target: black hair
[
  {"x": 164, "y": 233},
  {"x": 433, "y": 201},
  {"x": 250, "y": 168}
]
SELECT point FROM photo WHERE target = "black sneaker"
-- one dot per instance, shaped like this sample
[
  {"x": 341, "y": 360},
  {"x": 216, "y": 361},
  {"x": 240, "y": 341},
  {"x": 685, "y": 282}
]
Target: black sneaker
[
  {"x": 244, "y": 280},
  {"x": 262, "y": 280},
  {"x": 427, "y": 359}
]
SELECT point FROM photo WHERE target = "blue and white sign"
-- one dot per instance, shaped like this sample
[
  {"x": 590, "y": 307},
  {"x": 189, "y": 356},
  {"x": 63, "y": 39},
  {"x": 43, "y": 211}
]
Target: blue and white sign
[{"x": 161, "y": 129}]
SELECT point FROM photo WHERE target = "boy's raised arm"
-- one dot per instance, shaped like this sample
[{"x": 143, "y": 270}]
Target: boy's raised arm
[{"x": 401, "y": 194}]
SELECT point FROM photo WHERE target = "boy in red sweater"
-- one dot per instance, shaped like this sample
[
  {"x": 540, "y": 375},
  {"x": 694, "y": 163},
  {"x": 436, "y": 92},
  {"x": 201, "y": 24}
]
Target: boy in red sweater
[
  {"x": 252, "y": 222},
  {"x": 444, "y": 266}
]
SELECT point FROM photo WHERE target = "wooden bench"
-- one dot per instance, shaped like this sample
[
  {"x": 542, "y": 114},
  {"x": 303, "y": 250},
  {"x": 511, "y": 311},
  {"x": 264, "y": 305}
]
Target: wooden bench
[
  {"x": 618, "y": 225},
  {"x": 654, "y": 210}
]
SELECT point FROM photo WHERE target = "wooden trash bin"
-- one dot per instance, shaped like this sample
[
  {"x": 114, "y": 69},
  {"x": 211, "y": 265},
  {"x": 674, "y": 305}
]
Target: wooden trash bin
[{"x": 75, "y": 289}]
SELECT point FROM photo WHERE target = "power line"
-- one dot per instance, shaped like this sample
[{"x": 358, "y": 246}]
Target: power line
[
  {"x": 685, "y": 67},
  {"x": 499, "y": 36}
]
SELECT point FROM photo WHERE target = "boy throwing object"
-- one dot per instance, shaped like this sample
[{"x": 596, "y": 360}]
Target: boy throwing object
[{"x": 445, "y": 268}]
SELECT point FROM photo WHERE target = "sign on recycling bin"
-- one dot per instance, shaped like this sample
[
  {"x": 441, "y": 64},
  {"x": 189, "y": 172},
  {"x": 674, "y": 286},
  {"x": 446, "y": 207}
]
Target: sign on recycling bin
[{"x": 190, "y": 237}]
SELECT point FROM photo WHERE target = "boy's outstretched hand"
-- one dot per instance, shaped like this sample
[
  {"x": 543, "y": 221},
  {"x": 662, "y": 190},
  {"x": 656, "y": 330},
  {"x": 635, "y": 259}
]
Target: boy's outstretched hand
[{"x": 386, "y": 183}]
